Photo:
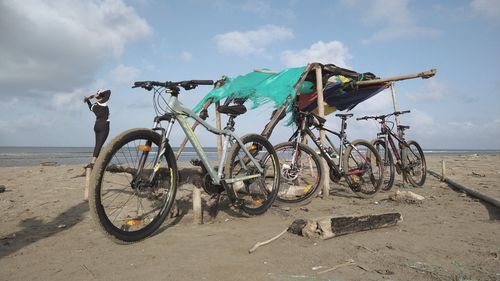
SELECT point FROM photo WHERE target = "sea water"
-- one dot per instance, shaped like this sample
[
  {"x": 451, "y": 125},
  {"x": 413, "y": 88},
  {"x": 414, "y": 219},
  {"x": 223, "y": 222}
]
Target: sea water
[{"x": 11, "y": 156}]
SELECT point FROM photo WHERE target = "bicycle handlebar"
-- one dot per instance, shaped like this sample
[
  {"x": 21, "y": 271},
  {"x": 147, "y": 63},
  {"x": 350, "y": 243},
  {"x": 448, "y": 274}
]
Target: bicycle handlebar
[
  {"x": 187, "y": 84},
  {"x": 380, "y": 117}
]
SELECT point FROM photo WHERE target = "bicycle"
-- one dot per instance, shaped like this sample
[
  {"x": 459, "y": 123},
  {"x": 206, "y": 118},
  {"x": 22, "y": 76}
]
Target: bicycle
[
  {"x": 134, "y": 181},
  {"x": 410, "y": 159},
  {"x": 358, "y": 162}
]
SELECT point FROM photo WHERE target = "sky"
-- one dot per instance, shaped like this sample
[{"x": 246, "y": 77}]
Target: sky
[{"x": 53, "y": 53}]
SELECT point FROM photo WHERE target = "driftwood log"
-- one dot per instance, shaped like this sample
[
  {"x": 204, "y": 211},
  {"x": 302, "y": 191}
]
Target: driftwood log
[{"x": 330, "y": 227}]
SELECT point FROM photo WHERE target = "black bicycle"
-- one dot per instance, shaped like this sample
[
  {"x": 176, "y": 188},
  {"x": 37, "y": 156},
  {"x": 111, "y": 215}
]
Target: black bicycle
[
  {"x": 357, "y": 162},
  {"x": 410, "y": 159}
]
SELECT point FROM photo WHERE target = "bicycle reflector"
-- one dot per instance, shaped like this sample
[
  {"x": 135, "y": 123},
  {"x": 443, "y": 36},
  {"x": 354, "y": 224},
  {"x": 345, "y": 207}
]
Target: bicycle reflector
[{"x": 144, "y": 148}]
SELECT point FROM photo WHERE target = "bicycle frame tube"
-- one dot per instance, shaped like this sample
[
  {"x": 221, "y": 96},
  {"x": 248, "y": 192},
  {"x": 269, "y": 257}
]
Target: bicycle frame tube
[
  {"x": 321, "y": 148},
  {"x": 176, "y": 109}
]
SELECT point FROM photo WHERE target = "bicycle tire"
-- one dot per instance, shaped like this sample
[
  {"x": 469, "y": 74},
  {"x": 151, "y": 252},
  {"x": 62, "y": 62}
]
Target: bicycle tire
[
  {"x": 257, "y": 194},
  {"x": 291, "y": 191},
  {"x": 363, "y": 173},
  {"x": 388, "y": 161},
  {"x": 115, "y": 172},
  {"x": 414, "y": 165}
]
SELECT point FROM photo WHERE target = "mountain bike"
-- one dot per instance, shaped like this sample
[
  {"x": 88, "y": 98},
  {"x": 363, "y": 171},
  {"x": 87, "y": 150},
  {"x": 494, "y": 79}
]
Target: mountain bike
[
  {"x": 134, "y": 181},
  {"x": 410, "y": 159},
  {"x": 357, "y": 162}
]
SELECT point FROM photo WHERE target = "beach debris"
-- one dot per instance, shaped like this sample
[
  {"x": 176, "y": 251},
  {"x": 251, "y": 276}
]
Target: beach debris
[
  {"x": 406, "y": 196},
  {"x": 329, "y": 227},
  {"x": 384, "y": 271},
  {"x": 347, "y": 263},
  {"x": 49, "y": 163},
  {"x": 258, "y": 244},
  {"x": 305, "y": 209},
  {"x": 2, "y": 188},
  {"x": 478, "y": 175},
  {"x": 61, "y": 225}
]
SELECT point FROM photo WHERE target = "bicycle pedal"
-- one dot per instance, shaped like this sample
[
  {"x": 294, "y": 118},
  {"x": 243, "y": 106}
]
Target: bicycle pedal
[
  {"x": 238, "y": 203},
  {"x": 196, "y": 162}
]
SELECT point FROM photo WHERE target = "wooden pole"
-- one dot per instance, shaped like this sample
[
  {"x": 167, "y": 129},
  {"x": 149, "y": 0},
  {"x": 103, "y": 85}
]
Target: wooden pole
[
  {"x": 469, "y": 190},
  {"x": 394, "y": 102},
  {"x": 218, "y": 125},
  {"x": 321, "y": 113},
  {"x": 88, "y": 171},
  {"x": 197, "y": 209},
  {"x": 443, "y": 168},
  {"x": 424, "y": 75}
]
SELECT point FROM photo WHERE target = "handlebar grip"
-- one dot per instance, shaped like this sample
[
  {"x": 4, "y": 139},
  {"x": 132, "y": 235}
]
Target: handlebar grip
[
  {"x": 361, "y": 118},
  {"x": 202, "y": 82},
  {"x": 406, "y": 111}
]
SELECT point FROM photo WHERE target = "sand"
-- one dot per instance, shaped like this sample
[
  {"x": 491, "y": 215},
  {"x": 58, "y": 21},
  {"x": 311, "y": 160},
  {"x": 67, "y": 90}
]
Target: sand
[{"x": 47, "y": 233}]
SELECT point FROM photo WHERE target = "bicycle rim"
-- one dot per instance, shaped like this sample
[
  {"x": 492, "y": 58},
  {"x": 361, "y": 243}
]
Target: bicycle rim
[
  {"x": 363, "y": 169},
  {"x": 129, "y": 205},
  {"x": 415, "y": 166},
  {"x": 300, "y": 173}
]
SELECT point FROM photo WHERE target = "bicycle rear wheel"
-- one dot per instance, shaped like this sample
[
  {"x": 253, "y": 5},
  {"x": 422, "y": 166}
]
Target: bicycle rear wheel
[
  {"x": 363, "y": 168},
  {"x": 414, "y": 165},
  {"x": 301, "y": 173},
  {"x": 257, "y": 193},
  {"x": 126, "y": 204},
  {"x": 388, "y": 162}
]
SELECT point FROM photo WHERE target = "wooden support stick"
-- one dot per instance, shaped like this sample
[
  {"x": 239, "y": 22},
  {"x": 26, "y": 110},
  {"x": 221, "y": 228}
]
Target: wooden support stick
[
  {"x": 218, "y": 125},
  {"x": 321, "y": 113},
  {"x": 197, "y": 209},
  {"x": 258, "y": 244},
  {"x": 443, "y": 170},
  {"x": 88, "y": 171}
]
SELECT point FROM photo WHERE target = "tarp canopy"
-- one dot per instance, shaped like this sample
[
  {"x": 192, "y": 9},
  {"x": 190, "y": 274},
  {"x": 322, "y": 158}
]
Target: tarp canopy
[
  {"x": 262, "y": 87},
  {"x": 259, "y": 87}
]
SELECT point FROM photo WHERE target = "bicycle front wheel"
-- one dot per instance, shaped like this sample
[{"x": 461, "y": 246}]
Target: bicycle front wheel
[
  {"x": 388, "y": 163},
  {"x": 414, "y": 164},
  {"x": 363, "y": 169},
  {"x": 301, "y": 173},
  {"x": 126, "y": 200},
  {"x": 257, "y": 190}
]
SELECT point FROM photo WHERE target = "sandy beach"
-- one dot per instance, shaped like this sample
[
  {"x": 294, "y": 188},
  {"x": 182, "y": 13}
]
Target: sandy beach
[{"x": 47, "y": 233}]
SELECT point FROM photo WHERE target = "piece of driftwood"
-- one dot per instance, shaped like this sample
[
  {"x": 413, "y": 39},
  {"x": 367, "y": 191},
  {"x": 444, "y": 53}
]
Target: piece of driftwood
[
  {"x": 330, "y": 227},
  {"x": 406, "y": 196},
  {"x": 258, "y": 244},
  {"x": 469, "y": 190},
  {"x": 88, "y": 171}
]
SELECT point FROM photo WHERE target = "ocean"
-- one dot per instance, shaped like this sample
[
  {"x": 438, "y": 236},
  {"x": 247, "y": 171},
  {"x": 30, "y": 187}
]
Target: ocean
[{"x": 11, "y": 156}]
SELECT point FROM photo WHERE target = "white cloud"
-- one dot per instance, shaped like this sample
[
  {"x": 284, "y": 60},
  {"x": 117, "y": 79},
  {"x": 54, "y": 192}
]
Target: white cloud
[
  {"x": 124, "y": 75},
  {"x": 186, "y": 56},
  {"x": 59, "y": 45},
  {"x": 330, "y": 52},
  {"x": 253, "y": 42},
  {"x": 489, "y": 9},
  {"x": 434, "y": 90},
  {"x": 394, "y": 18}
]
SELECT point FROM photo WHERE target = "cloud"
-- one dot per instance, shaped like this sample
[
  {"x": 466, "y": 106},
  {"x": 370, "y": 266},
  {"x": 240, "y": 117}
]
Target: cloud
[
  {"x": 124, "y": 75},
  {"x": 186, "y": 56},
  {"x": 253, "y": 42},
  {"x": 57, "y": 46},
  {"x": 433, "y": 91},
  {"x": 489, "y": 9},
  {"x": 394, "y": 18},
  {"x": 331, "y": 52}
]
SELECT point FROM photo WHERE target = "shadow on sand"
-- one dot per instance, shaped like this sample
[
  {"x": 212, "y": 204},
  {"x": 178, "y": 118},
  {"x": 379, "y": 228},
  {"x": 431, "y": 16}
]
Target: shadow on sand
[{"x": 35, "y": 229}]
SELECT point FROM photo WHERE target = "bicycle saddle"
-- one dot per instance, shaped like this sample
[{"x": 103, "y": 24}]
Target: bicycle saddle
[
  {"x": 344, "y": 116},
  {"x": 402, "y": 127},
  {"x": 320, "y": 120},
  {"x": 232, "y": 109}
]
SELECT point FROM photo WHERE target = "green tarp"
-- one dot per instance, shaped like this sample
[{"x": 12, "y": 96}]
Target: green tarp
[{"x": 259, "y": 87}]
